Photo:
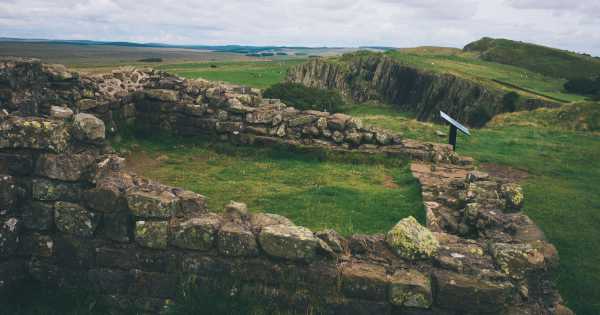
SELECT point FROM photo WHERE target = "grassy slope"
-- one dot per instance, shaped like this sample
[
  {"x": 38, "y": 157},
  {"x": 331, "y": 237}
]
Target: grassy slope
[
  {"x": 561, "y": 192},
  {"x": 351, "y": 197},
  {"x": 490, "y": 74},
  {"x": 260, "y": 74},
  {"x": 549, "y": 61}
]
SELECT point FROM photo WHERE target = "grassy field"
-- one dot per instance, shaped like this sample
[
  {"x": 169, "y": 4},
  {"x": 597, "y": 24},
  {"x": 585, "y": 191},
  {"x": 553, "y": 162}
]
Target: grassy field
[
  {"x": 314, "y": 190},
  {"x": 492, "y": 74},
  {"x": 561, "y": 191},
  {"x": 260, "y": 74},
  {"x": 541, "y": 59}
]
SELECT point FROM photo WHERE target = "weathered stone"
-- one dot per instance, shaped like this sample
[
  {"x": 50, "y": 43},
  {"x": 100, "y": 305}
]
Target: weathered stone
[
  {"x": 513, "y": 194},
  {"x": 411, "y": 240},
  {"x": 332, "y": 238},
  {"x": 289, "y": 242},
  {"x": 38, "y": 216},
  {"x": 87, "y": 127},
  {"x": 410, "y": 288},
  {"x": 383, "y": 138},
  {"x": 9, "y": 236},
  {"x": 354, "y": 138},
  {"x": 33, "y": 133},
  {"x": 105, "y": 198},
  {"x": 51, "y": 190},
  {"x": 354, "y": 123},
  {"x": 236, "y": 240},
  {"x": 236, "y": 212},
  {"x": 190, "y": 203},
  {"x": 236, "y": 106},
  {"x": 16, "y": 163},
  {"x": 152, "y": 204},
  {"x": 260, "y": 220},
  {"x": 365, "y": 281},
  {"x": 302, "y": 120},
  {"x": 37, "y": 245},
  {"x": 9, "y": 193},
  {"x": 161, "y": 95},
  {"x": 117, "y": 226},
  {"x": 73, "y": 219},
  {"x": 58, "y": 112},
  {"x": 152, "y": 234},
  {"x": 337, "y": 137},
  {"x": 476, "y": 176},
  {"x": 517, "y": 259},
  {"x": 468, "y": 294},
  {"x": 322, "y": 123},
  {"x": 197, "y": 233},
  {"x": 67, "y": 166},
  {"x": 338, "y": 121},
  {"x": 87, "y": 104}
]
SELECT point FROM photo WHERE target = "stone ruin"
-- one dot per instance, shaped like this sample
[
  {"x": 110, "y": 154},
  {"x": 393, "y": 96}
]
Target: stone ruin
[{"x": 71, "y": 216}]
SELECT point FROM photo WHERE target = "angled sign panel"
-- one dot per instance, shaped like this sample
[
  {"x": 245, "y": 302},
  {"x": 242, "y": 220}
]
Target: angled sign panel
[{"x": 455, "y": 123}]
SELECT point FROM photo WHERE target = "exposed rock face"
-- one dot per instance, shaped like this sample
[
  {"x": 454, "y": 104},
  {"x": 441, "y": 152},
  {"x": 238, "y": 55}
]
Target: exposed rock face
[
  {"x": 376, "y": 76},
  {"x": 411, "y": 240}
]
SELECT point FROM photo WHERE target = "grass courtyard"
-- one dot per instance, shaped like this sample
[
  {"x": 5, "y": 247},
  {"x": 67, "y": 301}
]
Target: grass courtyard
[{"x": 315, "y": 190}]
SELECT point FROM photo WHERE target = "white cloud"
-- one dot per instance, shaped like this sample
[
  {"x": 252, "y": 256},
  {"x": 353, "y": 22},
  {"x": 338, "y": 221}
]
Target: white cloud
[{"x": 307, "y": 22}]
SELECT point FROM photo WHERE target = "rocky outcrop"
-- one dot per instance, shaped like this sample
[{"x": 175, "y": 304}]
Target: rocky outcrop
[
  {"x": 71, "y": 216},
  {"x": 363, "y": 77}
]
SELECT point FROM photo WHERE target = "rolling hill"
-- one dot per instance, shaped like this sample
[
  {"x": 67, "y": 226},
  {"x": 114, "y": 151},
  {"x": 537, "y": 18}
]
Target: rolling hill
[{"x": 541, "y": 59}]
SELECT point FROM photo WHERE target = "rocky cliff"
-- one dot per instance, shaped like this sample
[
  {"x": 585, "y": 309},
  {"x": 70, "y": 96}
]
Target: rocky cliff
[{"x": 364, "y": 77}]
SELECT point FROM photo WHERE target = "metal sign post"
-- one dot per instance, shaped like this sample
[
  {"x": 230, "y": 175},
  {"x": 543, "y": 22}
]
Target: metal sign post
[{"x": 454, "y": 126}]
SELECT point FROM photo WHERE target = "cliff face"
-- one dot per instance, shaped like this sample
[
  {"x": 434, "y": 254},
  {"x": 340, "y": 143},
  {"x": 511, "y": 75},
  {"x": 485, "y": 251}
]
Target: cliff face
[{"x": 382, "y": 78}]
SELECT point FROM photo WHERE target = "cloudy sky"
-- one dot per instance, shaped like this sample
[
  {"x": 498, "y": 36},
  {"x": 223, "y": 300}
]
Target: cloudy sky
[{"x": 572, "y": 25}]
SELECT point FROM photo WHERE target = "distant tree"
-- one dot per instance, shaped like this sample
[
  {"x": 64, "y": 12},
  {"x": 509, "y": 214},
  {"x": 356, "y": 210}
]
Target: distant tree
[
  {"x": 305, "y": 98},
  {"x": 509, "y": 101},
  {"x": 585, "y": 86},
  {"x": 151, "y": 60}
]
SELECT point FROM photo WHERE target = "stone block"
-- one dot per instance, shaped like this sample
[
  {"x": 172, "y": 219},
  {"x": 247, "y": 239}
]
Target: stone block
[
  {"x": 469, "y": 294},
  {"x": 152, "y": 204},
  {"x": 410, "y": 288},
  {"x": 288, "y": 242},
  {"x": 66, "y": 167},
  {"x": 365, "y": 281},
  {"x": 9, "y": 236},
  {"x": 152, "y": 234},
  {"x": 197, "y": 233},
  {"x": 236, "y": 240},
  {"x": 89, "y": 128},
  {"x": 52, "y": 190},
  {"x": 411, "y": 240},
  {"x": 38, "y": 216},
  {"x": 71, "y": 218}
]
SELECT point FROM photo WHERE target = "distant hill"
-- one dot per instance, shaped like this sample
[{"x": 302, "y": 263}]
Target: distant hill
[{"x": 545, "y": 60}]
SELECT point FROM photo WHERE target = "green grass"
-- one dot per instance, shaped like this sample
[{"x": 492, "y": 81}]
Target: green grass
[
  {"x": 496, "y": 75},
  {"x": 313, "y": 190},
  {"x": 545, "y": 60},
  {"x": 258, "y": 74},
  {"x": 561, "y": 193}
]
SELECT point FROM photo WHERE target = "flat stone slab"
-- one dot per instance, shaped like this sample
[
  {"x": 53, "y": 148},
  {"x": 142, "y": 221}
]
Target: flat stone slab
[{"x": 289, "y": 242}]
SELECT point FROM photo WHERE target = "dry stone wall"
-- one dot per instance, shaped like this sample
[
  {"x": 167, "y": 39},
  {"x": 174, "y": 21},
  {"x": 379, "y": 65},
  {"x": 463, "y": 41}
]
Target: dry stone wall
[{"x": 71, "y": 216}]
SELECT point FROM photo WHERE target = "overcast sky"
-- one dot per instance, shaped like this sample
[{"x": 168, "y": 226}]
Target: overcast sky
[{"x": 567, "y": 24}]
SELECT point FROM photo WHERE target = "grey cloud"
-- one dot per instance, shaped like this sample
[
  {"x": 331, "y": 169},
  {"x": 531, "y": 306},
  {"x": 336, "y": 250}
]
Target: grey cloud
[{"x": 306, "y": 22}]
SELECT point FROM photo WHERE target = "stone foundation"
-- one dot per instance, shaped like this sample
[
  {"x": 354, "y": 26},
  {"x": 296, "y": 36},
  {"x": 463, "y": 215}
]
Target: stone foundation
[{"x": 71, "y": 216}]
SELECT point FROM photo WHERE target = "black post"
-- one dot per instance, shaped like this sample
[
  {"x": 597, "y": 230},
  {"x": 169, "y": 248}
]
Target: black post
[{"x": 452, "y": 138}]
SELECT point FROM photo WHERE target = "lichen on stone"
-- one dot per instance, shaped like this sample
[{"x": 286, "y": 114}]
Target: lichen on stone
[{"x": 411, "y": 240}]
